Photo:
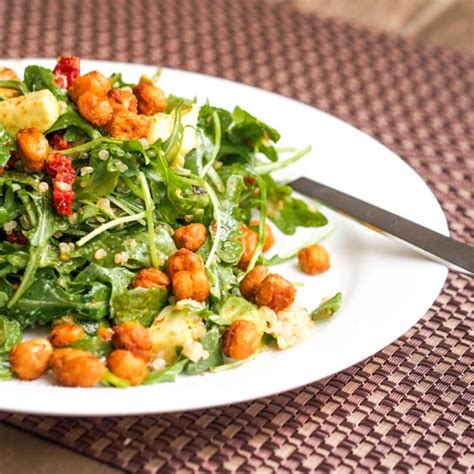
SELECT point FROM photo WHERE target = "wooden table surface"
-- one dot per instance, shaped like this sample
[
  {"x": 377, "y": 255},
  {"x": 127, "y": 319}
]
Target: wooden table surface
[{"x": 442, "y": 22}]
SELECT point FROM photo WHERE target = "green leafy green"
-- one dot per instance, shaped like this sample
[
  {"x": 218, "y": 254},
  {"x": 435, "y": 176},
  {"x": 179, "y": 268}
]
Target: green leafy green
[
  {"x": 71, "y": 121},
  {"x": 112, "y": 380},
  {"x": 10, "y": 333},
  {"x": 46, "y": 300},
  {"x": 211, "y": 342},
  {"x": 13, "y": 84},
  {"x": 287, "y": 212},
  {"x": 94, "y": 344},
  {"x": 139, "y": 304},
  {"x": 328, "y": 308},
  {"x": 168, "y": 374},
  {"x": 37, "y": 78}
]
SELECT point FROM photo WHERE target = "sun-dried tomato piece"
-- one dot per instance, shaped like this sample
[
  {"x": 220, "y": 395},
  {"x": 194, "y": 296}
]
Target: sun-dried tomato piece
[
  {"x": 66, "y": 71},
  {"x": 15, "y": 237},
  {"x": 57, "y": 142},
  {"x": 60, "y": 167},
  {"x": 63, "y": 173}
]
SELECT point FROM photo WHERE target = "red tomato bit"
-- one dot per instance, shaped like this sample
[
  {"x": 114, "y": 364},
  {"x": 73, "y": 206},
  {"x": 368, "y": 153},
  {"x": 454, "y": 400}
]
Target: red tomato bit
[
  {"x": 64, "y": 175},
  {"x": 66, "y": 71},
  {"x": 57, "y": 142}
]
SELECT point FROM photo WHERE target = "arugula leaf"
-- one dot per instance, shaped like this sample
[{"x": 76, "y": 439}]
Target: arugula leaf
[
  {"x": 211, "y": 342},
  {"x": 112, "y": 380},
  {"x": 10, "y": 334},
  {"x": 94, "y": 344},
  {"x": 328, "y": 308},
  {"x": 168, "y": 374},
  {"x": 130, "y": 241},
  {"x": 117, "y": 82},
  {"x": 7, "y": 145},
  {"x": 47, "y": 225},
  {"x": 46, "y": 300},
  {"x": 250, "y": 131},
  {"x": 15, "y": 85},
  {"x": 37, "y": 78},
  {"x": 139, "y": 304},
  {"x": 227, "y": 233},
  {"x": 187, "y": 194},
  {"x": 71, "y": 121},
  {"x": 102, "y": 181},
  {"x": 287, "y": 212}
]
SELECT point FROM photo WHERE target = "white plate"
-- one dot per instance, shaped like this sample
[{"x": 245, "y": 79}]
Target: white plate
[{"x": 386, "y": 288}]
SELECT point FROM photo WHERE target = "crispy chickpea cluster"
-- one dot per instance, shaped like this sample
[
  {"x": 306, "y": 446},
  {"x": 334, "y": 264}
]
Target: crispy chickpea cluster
[
  {"x": 252, "y": 281},
  {"x": 275, "y": 292},
  {"x": 76, "y": 368},
  {"x": 267, "y": 289},
  {"x": 314, "y": 259},
  {"x": 188, "y": 276},
  {"x": 33, "y": 148},
  {"x": 96, "y": 109},
  {"x": 133, "y": 337},
  {"x": 65, "y": 334},
  {"x": 94, "y": 82},
  {"x": 151, "y": 99},
  {"x": 128, "y": 126},
  {"x": 30, "y": 359},
  {"x": 150, "y": 278},
  {"x": 190, "y": 237},
  {"x": 127, "y": 366},
  {"x": 122, "y": 100},
  {"x": 241, "y": 339}
]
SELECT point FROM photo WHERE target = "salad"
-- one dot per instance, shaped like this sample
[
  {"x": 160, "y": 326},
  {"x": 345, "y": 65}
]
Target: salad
[{"x": 135, "y": 227}]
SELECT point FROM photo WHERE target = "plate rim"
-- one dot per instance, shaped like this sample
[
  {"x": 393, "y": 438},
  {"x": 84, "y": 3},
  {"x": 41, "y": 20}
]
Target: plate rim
[{"x": 443, "y": 272}]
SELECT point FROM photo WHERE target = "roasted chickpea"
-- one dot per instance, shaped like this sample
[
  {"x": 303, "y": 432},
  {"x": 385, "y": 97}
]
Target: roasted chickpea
[
  {"x": 122, "y": 100},
  {"x": 30, "y": 359},
  {"x": 76, "y": 368},
  {"x": 65, "y": 334},
  {"x": 33, "y": 148},
  {"x": 151, "y": 99},
  {"x": 252, "y": 281},
  {"x": 190, "y": 237},
  {"x": 127, "y": 366},
  {"x": 268, "y": 239},
  {"x": 275, "y": 292},
  {"x": 249, "y": 241},
  {"x": 241, "y": 339},
  {"x": 93, "y": 82},
  {"x": 7, "y": 74},
  {"x": 183, "y": 260},
  {"x": 95, "y": 109},
  {"x": 191, "y": 285},
  {"x": 133, "y": 337},
  {"x": 150, "y": 278},
  {"x": 128, "y": 126},
  {"x": 314, "y": 259}
]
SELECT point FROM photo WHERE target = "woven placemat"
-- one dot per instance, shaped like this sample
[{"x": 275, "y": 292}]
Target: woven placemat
[{"x": 406, "y": 408}]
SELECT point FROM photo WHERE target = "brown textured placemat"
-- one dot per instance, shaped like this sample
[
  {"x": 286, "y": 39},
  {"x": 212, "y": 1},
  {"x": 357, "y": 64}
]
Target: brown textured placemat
[{"x": 406, "y": 407}]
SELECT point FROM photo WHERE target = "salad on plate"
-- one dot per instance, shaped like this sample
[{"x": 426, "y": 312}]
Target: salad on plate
[{"x": 135, "y": 228}]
